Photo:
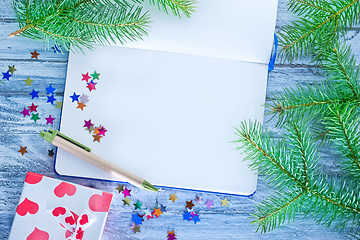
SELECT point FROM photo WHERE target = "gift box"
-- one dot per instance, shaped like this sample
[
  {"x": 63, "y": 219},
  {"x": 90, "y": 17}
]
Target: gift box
[{"x": 54, "y": 209}]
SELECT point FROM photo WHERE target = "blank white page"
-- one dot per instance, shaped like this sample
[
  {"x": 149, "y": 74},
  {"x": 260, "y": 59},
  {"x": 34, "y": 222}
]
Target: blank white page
[
  {"x": 169, "y": 117},
  {"x": 230, "y": 29}
]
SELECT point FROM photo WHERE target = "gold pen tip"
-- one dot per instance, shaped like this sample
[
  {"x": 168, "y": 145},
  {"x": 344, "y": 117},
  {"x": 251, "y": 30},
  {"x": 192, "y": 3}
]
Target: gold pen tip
[{"x": 148, "y": 186}]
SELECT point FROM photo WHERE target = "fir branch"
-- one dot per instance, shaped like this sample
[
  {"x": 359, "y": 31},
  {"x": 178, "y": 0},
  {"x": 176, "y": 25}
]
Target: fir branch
[
  {"x": 319, "y": 26},
  {"x": 187, "y": 7},
  {"x": 306, "y": 188},
  {"x": 344, "y": 130}
]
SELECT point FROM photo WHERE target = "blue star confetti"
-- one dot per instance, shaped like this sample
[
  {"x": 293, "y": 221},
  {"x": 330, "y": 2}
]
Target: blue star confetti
[
  {"x": 163, "y": 208},
  {"x": 51, "y": 99},
  {"x": 186, "y": 215},
  {"x": 136, "y": 219},
  {"x": 6, "y": 75},
  {"x": 50, "y": 90},
  {"x": 34, "y": 94},
  {"x": 195, "y": 218},
  {"x": 75, "y": 97}
]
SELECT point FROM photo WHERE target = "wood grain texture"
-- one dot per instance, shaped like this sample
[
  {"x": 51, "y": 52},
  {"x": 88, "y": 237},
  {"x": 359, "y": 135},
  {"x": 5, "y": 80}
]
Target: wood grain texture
[{"x": 216, "y": 223}]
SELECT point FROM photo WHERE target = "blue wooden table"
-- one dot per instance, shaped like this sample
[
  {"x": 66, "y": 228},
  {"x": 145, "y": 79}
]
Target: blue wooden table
[{"x": 217, "y": 223}]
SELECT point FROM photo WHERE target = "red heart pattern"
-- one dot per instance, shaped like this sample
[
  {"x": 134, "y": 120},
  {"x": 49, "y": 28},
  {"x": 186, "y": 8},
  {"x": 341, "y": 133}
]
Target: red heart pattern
[
  {"x": 64, "y": 188},
  {"x": 70, "y": 220},
  {"x": 79, "y": 234},
  {"x": 38, "y": 234},
  {"x": 100, "y": 203},
  {"x": 84, "y": 219},
  {"x": 58, "y": 211},
  {"x": 27, "y": 206},
  {"x": 33, "y": 178}
]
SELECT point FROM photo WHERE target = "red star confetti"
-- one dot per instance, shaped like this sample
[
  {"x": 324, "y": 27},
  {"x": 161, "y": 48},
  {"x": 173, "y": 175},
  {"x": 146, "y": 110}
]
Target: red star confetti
[
  {"x": 50, "y": 120},
  {"x": 85, "y": 77},
  {"x": 34, "y": 54},
  {"x": 23, "y": 150},
  {"x": 25, "y": 112},
  {"x": 33, "y": 108},
  {"x": 91, "y": 86},
  {"x": 148, "y": 214}
]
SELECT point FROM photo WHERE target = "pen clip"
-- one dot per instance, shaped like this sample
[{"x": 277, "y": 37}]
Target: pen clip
[{"x": 57, "y": 133}]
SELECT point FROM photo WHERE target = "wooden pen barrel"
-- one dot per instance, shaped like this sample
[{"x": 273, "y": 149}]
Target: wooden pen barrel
[{"x": 97, "y": 161}]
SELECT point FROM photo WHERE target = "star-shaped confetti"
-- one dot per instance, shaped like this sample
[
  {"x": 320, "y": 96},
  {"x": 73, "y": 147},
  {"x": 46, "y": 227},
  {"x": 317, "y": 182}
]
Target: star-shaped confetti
[
  {"x": 6, "y": 75},
  {"x": 173, "y": 197},
  {"x": 12, "y": 69},
  {"x": 28, "y": 81},
  {"x": 126, "y": 201},
  {"x": 51, "y": 153},
  {"x": 102, "y": 131},
  {"x": 35, "y": 117},
  {"x": 224, "y": 202},
  {"x": 23, "y": 150},
  {"x": 148, "y": 213},
  {"x": 50, "y": 120},
  {"x": 34, "y": 54},
  {"x": 91, "y": 86},
  {"x": 50, "y": 90},
  {"x": 187, "y": 216},
  {"x": 97, "y": 137},
  {"x": 195, "y": 218},
  {"x": 25, "y": 112},
  {"x": 135, "y": 228},
  {"x": 137, "y": 219},
  {"x": 33, "y": 108},
  {"x": 84, "y": 98},
  {"x": 90, "y": 129},
  {"x": 189, "y": 204},
  {"x": 198, "y": 199},
  {"x": 59, "y": 105},
  {"x": 171, "y": 235},
  {"x": 163, "y": 208},
  {"x": 81, "y": 106},
  {"x": 51, "y": 99},
  {"x": 126, "y": 192},
  {"x": 88, "y": 124},
  {"x": 96, "y": 130},
  {"x": 95, "y": 75},
  {"x": 120, "y": 188},
  {"x": 34, "y": 94},
  {"x": 209, "y": 204},
  {"x": 137, "y": 205},
  {"x": 157, "y": 212},
  {"x": 75, "y": 97},
  {"x": 85, "y": 77}
]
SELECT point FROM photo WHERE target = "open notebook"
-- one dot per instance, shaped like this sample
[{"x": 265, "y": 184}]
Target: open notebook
[{"x": 170, "y": 102}]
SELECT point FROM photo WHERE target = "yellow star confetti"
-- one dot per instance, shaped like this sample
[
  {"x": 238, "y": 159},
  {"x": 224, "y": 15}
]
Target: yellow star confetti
[
  {"x": 173, "y": 198},
  {"x": 120, "y": 188},
  {"x": 59, "y": 104},
  {"x": 126, "y": 201},
  {"x": 28, "y": 81},
  {"x": 224, "y": 202},
  {"x": 12, "y": 69}
]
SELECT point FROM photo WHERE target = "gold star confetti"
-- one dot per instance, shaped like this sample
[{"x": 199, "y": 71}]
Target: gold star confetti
[
  {"x": 23, "y": 150},
  {"x": 173, "y": 198},
  {"x": 34, "y": 54},
  {"x": 59, "y": 104},
  {"x": 97, "y": 137},
  {"x": 28, "y": 81},
  {"x": 12, "y": 69},
  {"x": 157, "y": 212},
  {"x": 120, "y": 188},
  {"x": 126, "y": 201},
  {"x": 224, "y": 202},
  {"x": 96, "y": 130},
  {"x": 135, "y": 228},
  {"x": 81, "y": 105}
]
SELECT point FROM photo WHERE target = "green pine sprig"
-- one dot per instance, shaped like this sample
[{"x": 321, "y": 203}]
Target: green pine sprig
[
  {"x": 291, "y": 166},
  {"x": 81, "y": 23},
  {"x": 318, "y": 28}
]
